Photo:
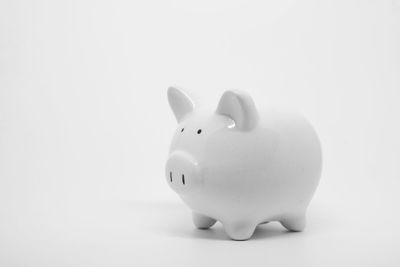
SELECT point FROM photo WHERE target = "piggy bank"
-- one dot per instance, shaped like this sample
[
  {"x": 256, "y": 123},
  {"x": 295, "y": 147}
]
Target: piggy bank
[{"x": 242, "y": 166}]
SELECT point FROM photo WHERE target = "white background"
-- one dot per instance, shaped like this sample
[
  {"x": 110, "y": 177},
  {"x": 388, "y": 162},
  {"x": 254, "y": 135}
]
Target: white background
[{"x": 85, "y": 126}]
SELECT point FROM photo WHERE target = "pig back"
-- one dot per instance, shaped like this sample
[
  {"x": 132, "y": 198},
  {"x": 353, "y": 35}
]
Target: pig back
[{"x": 275, "y": 166}]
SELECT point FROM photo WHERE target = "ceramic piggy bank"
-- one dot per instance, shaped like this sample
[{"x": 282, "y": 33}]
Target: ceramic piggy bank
[{"x": 242, "y": 166}]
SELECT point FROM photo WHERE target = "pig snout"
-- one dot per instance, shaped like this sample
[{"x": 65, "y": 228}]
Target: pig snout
[{"x": 182, "y": 171}]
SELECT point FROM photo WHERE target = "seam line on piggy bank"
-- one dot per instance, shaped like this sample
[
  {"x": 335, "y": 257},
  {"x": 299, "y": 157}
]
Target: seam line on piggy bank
[{"x": 242, "y": 166}]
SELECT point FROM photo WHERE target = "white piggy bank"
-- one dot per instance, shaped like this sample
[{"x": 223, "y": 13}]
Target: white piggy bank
[{"x": 241, "y": 166}]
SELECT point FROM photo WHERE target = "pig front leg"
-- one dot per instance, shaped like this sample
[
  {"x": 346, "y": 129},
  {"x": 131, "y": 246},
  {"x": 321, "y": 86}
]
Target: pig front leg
[
  {"x": 202, "y": 221},
  {"x": 239, "y": 230},
  {"x": 295, "y": 223}
]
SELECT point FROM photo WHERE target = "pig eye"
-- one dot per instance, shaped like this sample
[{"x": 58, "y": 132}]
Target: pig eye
[
  {"x": 199, "y": 131},
  {"x": 182, "y": 129}
]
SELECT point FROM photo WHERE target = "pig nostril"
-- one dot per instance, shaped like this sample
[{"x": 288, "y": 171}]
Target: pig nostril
[
  {"x": 183, "y": 179},
  {"x": 170, "y": 176}
]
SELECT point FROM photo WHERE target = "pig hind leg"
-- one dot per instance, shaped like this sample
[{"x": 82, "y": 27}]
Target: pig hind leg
[
  {"x": 295, "y": 223},
  {"x": 202, "y": 221}
]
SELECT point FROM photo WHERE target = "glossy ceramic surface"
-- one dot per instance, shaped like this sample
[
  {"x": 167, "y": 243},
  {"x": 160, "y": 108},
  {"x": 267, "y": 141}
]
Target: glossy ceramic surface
[{"x": 242, "y": 166}]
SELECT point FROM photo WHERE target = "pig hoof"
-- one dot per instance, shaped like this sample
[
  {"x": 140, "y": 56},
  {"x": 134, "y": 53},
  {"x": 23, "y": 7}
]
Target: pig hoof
[
  {"x": 239, "y": 231},
  {"x": 294, "y": 223},
  {"x": 202, "y": 221}
]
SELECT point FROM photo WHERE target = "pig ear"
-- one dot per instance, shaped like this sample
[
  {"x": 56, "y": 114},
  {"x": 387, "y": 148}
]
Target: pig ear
[
  {"x": 240, "y": 108},
  {"x": 180, "y": 103}
]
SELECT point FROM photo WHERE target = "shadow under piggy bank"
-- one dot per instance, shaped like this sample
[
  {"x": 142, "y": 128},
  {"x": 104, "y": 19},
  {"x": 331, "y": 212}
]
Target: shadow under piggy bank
[{"x": 263, "y": 231}]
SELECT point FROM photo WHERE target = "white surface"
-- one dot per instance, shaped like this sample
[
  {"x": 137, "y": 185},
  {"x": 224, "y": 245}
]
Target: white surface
[
  {"x": 161, "y": 234},
  {"x": 82, "y": 149}
]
